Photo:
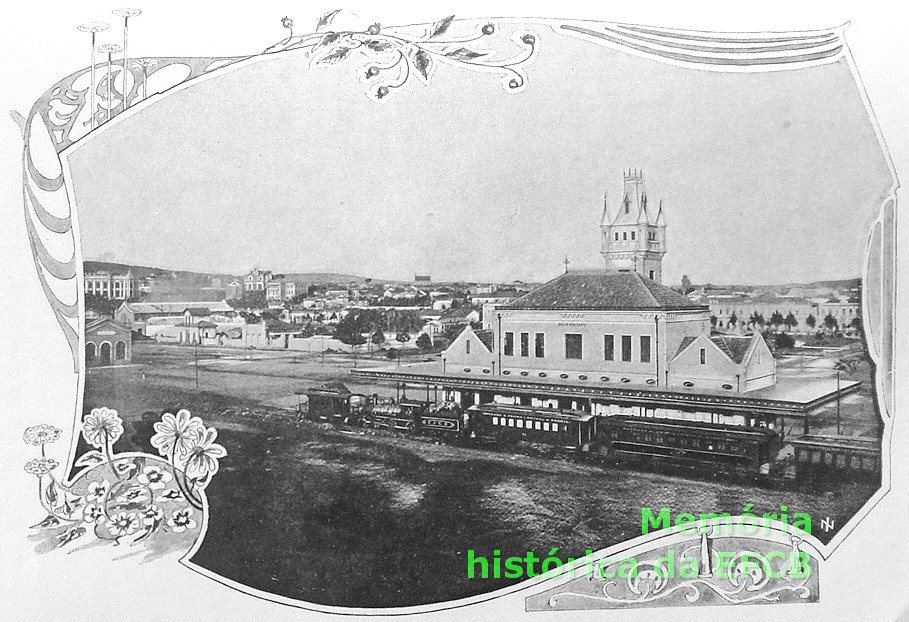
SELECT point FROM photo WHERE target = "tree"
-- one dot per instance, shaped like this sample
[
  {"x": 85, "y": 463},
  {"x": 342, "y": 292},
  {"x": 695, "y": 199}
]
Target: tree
[
  {"x": 101, "y": 305},
  {"x": 791, "y": 321},
  {"x": 378, "y": 338},
  {"x": 713, "y": 321},
  {"x": 830, "y": 322},
  {"x": 776, "y": 319},
  {"x": 856, "y": 324},
  {"x": 756, "y": 319},
  {"x": 686, "y": 285},
  {"x": 424, "y": 343},
  {"x": 733, "y": 320},
  {"x": 349, "y": 330},
  {"x": 392, "y": 354},
  {"x": 811, "y": 321},
  {"x": 784, "y": 341},
  {"x": 402, "y": 337}
]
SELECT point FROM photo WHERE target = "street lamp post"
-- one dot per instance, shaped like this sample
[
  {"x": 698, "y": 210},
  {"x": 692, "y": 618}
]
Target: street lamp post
[
  {"x": 93, "y": 27},
  {"x": 111, "y": 49},
  {"x": 126, "y": 13}
]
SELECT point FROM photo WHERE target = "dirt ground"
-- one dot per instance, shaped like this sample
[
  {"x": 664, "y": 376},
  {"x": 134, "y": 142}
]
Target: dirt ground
[{"x": 362, "y": 520}]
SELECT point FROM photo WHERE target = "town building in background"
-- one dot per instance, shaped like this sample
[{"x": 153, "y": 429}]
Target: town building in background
[
  {"x": 114, "y": 286},
  {"x": 107, "y": 343}
]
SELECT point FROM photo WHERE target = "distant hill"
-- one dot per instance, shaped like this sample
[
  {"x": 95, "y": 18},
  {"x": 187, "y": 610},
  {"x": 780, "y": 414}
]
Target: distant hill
[{"x": 188, "y": 275}]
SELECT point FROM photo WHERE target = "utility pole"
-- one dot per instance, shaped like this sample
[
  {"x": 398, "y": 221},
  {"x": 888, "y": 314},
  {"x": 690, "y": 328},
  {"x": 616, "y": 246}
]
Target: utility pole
[
  {"x": 838, "y": 432},
  {"x": 196, "y": 361}
]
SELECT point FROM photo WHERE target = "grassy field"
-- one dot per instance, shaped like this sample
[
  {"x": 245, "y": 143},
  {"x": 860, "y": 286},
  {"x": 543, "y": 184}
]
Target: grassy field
[{"x": 365, "y": 520}]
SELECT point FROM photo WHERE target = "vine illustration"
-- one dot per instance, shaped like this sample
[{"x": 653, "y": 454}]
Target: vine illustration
[
  {"x": 396, "y": 57},
  {"x": 128, "y": 497}
]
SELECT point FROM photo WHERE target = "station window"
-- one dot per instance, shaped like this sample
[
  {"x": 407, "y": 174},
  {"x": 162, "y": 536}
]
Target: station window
[
  {"x": 868, "y": 464},
  {"x": 546, "y": 426},
  {"x": 525, "y": 344},
  {"x": 616, "y": 236},
  {"x": 520, "y": 423},
  {"x": 645, "y": 348},
  {"x": 574, "y": 346},
  {"x": 632, "y": 236},
  {"x": 816, "y": 457},
  {"x": 828, "y": 458},
  {"x": 467, "y": 346},
  {"x": 624, "y": 235},
  {"x": 854, "y": 463},
  {"x": 537, "y": 425},
  {"x": 626, "y": 348},
  {"x": 840, "y": 461},
  {"x": 509, "y": 344},
  {"x": 703, "y": 356},
  {"x": 609, "y": 347},
  {"x": 511, "y": 423},
  {"x": 539, "y": 345},
  {"x": 495, "y": 421}
]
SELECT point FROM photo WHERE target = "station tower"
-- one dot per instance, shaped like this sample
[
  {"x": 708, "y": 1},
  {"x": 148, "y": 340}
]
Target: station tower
[{"x": 635, "y": 239}]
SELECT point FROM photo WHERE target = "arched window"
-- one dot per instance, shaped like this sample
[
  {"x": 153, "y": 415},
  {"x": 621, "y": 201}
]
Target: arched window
[
  {"x": 120, "y": 350},
  {"x": 90, "y": 351}
]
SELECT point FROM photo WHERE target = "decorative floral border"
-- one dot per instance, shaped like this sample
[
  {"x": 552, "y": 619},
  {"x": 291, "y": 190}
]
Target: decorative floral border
[{"x": 130, "y": 497}]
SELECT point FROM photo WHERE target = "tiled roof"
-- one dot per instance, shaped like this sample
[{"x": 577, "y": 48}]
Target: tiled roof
[
  {"x": 177, "y": 307},
  {"x": 486, "y": 337},
  {"x": 685, "y": 343},
  {"x": 602, "y": 290},
  {"x": 732, "y": 346}
]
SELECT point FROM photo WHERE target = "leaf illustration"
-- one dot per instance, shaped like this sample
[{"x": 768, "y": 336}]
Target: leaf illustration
[
  {"x": 328, "y": 39},
  {"x": 335, "y": 56},
  {"x": 441, "y": 26},
  {"x": 377, "y": 45},
  {"x": 464, "y": 54},
  {"x": 89, "y": 458},
  {"x": 51, "y": 494},
  {"x": 422, "y": 62},
  {"x": 70, "y": 535},
  {"x": 49, "y": 521},
  {"x": 325, "y": 20}
]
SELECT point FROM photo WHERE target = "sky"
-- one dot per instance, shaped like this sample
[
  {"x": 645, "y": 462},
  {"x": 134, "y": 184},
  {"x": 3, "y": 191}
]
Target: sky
[{"x": 765, "y": 178}]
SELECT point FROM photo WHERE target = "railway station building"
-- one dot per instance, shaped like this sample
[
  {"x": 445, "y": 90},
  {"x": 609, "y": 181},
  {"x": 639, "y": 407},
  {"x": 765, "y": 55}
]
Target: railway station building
[{"x": 617, "y": 342}]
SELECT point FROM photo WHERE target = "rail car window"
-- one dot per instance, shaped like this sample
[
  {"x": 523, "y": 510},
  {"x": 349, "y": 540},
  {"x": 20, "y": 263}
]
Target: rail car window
[
  {"x": 626, "y": 348},
  {"x": 854, "y": 463},
  {"x": 546, "y": 426},
  {"x": 511, "y": 423},
  {"x": 645, "y": 348},
  {"x": 828, "y": 458},
  {"x": 525, "y": 344},
  {"x": 574, "y": 346},
  {"x": 539, "y": 345},
  {"x": 537, "y": 425},
  {"x": 841, "y": 461},
  {"x": 816, "y": 457},
  {"x": 802, "y": 455},
  {"x": 868, "y": 464},
  {"x": 509, "y": 344},
  {"x": 495, "y": 421},
  {"x": 520, "y": 423}
]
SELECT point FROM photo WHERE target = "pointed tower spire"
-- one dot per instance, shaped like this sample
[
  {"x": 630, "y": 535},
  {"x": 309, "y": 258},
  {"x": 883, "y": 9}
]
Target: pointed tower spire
[{"x": 606, "y": 219}]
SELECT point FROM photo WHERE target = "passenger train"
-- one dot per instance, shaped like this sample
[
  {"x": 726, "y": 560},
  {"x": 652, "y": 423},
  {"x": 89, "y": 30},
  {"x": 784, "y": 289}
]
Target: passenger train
[{"x": 622, "y": 438}]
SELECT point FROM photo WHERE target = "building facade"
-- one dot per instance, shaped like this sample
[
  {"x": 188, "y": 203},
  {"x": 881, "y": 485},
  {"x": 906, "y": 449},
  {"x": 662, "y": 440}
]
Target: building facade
[
  {"x": 113, "y": 286},
  {"x": 107, "y": 343},
  {"x": 256, "y": 280}
]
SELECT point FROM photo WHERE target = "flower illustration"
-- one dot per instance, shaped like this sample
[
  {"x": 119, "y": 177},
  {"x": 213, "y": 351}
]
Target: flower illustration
[
  {"x": 154, "y": 477},
  {"x": 203, "y": 457},
  {"x": 122, "y": 524},
  {"x": 102, "y": 426},
  {"x": 151, "y": 515},
  {"x": 132, "y": 495},
  {"x": 92, "y": 513},
  {"x": 181, "y": 520},
  {"x": 97, "y": 490},
  {"x": 171, "y": 494},
  {"x": 40, "y": 466},
  {"x": 176, "y": 434},
  {"x": 41, "y": 434}
]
